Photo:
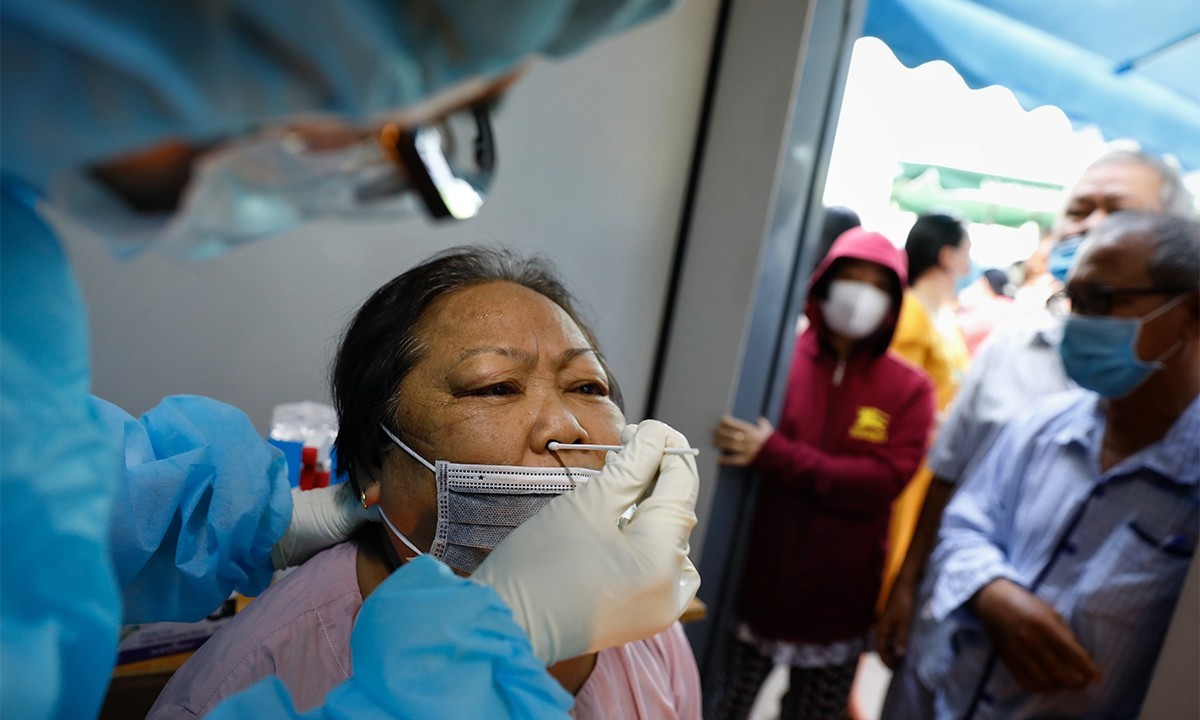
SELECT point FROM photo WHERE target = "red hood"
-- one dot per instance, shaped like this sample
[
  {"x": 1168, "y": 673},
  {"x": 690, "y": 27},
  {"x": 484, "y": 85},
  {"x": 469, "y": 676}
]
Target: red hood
[{"x": 859, "y": 244}]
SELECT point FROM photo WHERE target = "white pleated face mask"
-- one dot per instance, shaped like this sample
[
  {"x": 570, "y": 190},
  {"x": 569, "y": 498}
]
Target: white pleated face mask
[
  {"x": 854, "y": 309},
  {"x": 479, "y": 505}
]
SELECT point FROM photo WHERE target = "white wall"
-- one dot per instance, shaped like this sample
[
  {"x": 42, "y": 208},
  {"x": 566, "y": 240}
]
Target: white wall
[{"x": 593, "y": 157}]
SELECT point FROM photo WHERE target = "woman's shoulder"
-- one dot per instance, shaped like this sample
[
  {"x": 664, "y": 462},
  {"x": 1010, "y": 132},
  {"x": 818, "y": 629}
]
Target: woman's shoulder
[
  {"x": 914, "y": 319},
  {"x": 652, "y": 678},
  {"x": 307, "y": 614},
  {"x": 914, "y": 333}
]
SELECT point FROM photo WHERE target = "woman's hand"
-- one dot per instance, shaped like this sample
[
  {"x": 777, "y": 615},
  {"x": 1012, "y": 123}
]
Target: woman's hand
[{"x": 740, "y": 441}]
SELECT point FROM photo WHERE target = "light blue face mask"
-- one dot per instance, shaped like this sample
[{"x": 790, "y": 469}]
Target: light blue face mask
[
  {"x": 1100, "y": 353},
  {"x": 1062, "y": 256},
  {"x": 973, "y": 273}
]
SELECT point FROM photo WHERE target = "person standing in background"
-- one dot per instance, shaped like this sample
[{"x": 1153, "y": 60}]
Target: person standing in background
[
  {"x": 991, "y": 307},
  {"x": 1016, "y": 366},
  {"x": 838, "y": 219},
  {"x": 853, "y": 429},
  {"x": 1036, "y": 284},
  {"x": 1063, "y": 555},
  {"x": 928, "y": 336}
]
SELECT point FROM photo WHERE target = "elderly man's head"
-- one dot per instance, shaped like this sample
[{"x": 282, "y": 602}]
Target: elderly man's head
[
  {"x": 1135, "y": 307},
  {"x": 1123, "y": 180},
  {"x": 1120, "y": 180}
]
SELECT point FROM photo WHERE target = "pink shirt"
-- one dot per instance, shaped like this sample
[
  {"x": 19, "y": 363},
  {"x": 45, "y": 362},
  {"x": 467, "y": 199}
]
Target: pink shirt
[{"x": 300, "y": 630}]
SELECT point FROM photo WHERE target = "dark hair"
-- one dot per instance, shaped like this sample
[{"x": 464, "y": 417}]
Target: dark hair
[
  {"x": 838, "y": 219},
  {"x": 929, "y": 234},
  {"x": 998, "y": 281},
  {"x": 381, "y": 345},
  {"x": 1175, "y": 261}
]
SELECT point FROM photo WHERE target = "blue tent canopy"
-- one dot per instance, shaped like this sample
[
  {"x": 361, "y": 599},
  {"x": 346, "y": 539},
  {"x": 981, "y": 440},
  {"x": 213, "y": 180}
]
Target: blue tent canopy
[{"x": 1130, "y": 68}]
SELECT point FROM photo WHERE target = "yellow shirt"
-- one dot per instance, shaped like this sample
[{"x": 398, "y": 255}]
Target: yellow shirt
[{"x": 940, "y": 352}]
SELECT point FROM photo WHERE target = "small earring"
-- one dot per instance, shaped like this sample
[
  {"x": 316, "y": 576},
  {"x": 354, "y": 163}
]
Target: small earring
[{"x": 363, "y": 496}]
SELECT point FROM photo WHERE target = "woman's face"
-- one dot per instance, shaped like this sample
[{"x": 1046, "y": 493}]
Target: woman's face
[
  {"x": 503, "y": 371},
  {"x": 956, "y": 261}
]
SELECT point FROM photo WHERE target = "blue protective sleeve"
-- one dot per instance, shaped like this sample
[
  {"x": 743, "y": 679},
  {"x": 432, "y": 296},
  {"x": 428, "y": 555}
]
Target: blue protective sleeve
[
  {"x": 201, "y": 501},
  {"x": 59, "y": 606},
  {"x": 427, "y": 645}
]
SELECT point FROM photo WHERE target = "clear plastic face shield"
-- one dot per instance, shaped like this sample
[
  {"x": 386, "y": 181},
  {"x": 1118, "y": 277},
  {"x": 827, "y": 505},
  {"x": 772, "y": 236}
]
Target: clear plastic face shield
[
  {"x": 275, "y": 179},
  {"x": 449, "y": 163}
]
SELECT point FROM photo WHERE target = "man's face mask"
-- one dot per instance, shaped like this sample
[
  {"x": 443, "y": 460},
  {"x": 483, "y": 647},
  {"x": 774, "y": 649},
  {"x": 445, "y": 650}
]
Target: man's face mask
[
  {"x": 1062, "y": 256},
  {"x": 479, "y": 505},
  {"x": 854, "y": 309},
  {"x": 1100, "y": 353}
]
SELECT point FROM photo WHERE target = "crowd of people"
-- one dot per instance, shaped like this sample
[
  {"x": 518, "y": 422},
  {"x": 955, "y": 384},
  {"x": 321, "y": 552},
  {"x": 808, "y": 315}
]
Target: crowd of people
[{"x": 1040, "y": 543}]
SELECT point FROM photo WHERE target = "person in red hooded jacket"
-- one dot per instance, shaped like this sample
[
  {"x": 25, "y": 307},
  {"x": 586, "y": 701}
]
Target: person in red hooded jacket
[{"x": 854, "y": 427}]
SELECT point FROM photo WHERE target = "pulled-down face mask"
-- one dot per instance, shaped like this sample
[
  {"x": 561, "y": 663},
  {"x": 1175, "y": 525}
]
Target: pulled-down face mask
[{"x": 479, "y": 505}]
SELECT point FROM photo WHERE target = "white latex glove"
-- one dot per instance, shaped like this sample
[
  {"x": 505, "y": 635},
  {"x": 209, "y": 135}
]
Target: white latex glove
[
  {"x": 578, "y": 583},
  {"x": 321, "y": 517}
]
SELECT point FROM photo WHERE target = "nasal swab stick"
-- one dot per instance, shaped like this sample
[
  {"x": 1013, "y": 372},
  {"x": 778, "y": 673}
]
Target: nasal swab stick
[{"x": 554, "y": 446}]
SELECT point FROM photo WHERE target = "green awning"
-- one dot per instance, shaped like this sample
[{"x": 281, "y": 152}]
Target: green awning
[{"x": 978, "y": 197}]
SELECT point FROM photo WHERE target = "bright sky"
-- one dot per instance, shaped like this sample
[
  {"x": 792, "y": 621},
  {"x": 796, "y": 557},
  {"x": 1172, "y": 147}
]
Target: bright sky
[{"x": 892, "y": 114}]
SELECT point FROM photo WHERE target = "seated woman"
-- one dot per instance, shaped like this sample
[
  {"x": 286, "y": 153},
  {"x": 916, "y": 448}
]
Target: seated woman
[{"x": 475, "y": 360}]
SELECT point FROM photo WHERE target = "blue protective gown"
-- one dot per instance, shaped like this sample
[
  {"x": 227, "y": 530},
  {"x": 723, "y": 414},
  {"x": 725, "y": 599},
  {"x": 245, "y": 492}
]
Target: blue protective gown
[
  {"x": 59, "y": 605},
  {"x": 426, "y": 644},
  {"x": 86, "y": 80},
  {"x": 180, "y": 547}
]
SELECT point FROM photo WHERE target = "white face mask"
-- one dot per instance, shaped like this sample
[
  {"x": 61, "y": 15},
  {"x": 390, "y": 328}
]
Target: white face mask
[
  {"x": 854, "y": 309},
  {"x": 479, "y": 505}
]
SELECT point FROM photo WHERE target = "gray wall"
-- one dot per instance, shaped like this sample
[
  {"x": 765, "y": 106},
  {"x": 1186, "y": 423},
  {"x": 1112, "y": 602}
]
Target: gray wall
[
  {"x": 594, "y": 154},
  {"x": 776, "y": 100}
]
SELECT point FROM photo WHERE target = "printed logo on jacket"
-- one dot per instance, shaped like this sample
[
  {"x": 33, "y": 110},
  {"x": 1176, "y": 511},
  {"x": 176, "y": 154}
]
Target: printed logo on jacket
[{"x": 871, "y": 425}]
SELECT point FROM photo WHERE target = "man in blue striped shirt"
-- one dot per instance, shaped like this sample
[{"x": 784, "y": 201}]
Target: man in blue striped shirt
[{"x": 1064, "y": 553}]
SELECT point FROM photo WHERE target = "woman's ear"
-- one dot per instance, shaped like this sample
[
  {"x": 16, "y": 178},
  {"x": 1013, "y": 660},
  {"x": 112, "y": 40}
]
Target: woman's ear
[
  {"x": 948, "y": 257},
  {"x": 370, "y": 494}
]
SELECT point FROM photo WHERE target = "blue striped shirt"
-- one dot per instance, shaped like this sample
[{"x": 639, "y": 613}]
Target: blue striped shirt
[{"x": 1109, "y": 551}]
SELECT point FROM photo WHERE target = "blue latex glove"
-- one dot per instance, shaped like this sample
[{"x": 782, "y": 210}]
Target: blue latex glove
[
  {"x": 426, "y": 644},
  {"x": 202, "y": 500}
]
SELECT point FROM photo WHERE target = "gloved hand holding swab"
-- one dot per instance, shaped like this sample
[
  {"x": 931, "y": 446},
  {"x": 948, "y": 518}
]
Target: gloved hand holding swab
[
  {"x": 579, "y": 581},
  {"x": 555, "y": 446}
]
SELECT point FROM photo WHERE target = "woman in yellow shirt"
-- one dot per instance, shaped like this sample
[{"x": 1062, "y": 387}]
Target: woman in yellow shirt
[{"x": 928, "y": 336}]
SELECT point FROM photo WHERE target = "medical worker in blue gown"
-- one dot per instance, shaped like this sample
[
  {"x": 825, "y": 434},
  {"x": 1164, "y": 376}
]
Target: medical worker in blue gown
[{"x": 106, "y": 518}]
